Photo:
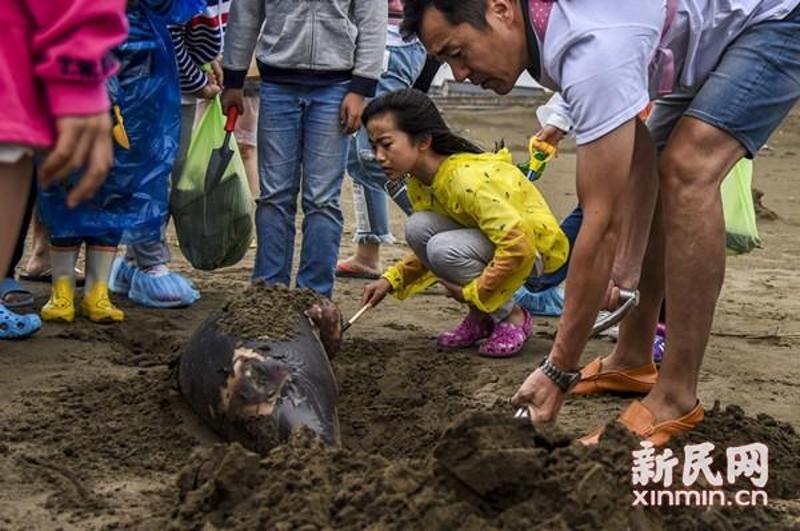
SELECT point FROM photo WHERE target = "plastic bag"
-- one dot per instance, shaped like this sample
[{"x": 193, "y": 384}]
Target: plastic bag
[
  {"x": 741, "y": 233},
  {"x": 214, "y": 228},
  {"x": 132, "y": 204}
]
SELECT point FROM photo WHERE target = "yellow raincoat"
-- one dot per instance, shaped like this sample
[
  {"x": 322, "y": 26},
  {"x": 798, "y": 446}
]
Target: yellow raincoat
[{"x": 486, "y": 191}]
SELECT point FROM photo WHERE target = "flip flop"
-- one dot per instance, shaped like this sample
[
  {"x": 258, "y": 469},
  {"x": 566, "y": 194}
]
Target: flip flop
[
  {"x": 9, "y": 286},
  {"x": 47, "y": 276},
  {"x": 596, "y": 380},
  {"x": 17, "y": 326},
  {"x": 640, "y": 421},
  {"x": 345, "y": 270}
]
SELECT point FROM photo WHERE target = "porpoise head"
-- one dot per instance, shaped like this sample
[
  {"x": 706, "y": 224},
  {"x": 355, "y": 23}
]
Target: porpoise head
[{"x": 255, "y": 385}]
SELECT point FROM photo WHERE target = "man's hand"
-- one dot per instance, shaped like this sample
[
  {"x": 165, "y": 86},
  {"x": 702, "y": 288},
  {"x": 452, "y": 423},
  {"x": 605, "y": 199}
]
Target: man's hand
[
  {"x": 542, "y": 397},
  {"x": 550, "y": 134},
  {"x": 375, "y": 292},
  {"x": 611, "y": 301},
  {"x": 81, "y": 141},
  {"x": 350, "y": 112},
  {"x": 233, "y": 98},
  {"x": 454, "y": 291}
]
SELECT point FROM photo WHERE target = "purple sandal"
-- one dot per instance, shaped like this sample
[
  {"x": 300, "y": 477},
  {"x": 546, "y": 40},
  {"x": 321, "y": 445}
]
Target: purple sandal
[
  {"x": 472, "y": 329},
  {"x": 508, "y": 338}
]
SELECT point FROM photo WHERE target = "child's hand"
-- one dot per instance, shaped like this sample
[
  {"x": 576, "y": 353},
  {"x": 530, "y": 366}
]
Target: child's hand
[
  {"x": 350, "y": 112},
  {"x": 233, "y": 98},
  {"x": 375, "y": 292},
  {"x": 208, "y": 92},
  {"x": 216, "y": 72},
  {"x": 81, "y": 141},
  {"x": 454, "y": 291},
  {"x": 550, "y": 134}
]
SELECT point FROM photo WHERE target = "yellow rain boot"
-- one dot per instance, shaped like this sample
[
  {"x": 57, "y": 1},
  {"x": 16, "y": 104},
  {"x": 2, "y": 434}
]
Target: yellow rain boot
[
  {"x": 61, "y": 306},
  {"x": 98, "y": 307}
]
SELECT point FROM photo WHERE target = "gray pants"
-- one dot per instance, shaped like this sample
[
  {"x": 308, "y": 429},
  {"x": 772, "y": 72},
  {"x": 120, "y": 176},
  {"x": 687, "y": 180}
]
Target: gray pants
[
  {"x": 151, "y": 254},
  {"x": 451, "y": 251}
]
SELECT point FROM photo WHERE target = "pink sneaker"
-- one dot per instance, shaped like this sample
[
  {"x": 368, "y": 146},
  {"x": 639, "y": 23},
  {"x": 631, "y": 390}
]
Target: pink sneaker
[
  {"x": 472, "y": 329},
  {"x": 507, "y": 338}
]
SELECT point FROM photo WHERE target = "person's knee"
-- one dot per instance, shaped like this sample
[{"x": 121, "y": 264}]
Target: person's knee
[
  {"x": 418, "y": 231},
  {"x": 694, "y": 162},
  {"x": 442, "y": 255},
  {"x": 247, "y": 151}
]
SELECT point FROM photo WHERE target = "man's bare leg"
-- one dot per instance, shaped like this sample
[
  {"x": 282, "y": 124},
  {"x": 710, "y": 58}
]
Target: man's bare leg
[
  {"x": 635, "y": 345},
  {"x": 691, "y": 168},
  {"x": 15, "y": 185}
]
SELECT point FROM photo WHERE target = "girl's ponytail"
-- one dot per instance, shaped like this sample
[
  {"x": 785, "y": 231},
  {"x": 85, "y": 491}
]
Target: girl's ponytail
[{"x": 417, "y": 116}]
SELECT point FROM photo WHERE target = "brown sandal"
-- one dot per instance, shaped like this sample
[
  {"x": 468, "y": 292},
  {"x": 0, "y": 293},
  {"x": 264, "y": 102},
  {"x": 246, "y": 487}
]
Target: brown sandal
[
  {"x": 594, "y": 380},
  {"x": 641, "y": 421}
]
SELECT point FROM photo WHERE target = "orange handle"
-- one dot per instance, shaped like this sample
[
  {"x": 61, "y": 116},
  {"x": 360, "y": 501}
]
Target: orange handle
[{"x": 233, "y": 114}]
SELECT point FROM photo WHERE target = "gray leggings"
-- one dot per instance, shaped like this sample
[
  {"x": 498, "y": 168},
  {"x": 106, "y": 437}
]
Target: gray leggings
[{"x": 451, "y": 251}]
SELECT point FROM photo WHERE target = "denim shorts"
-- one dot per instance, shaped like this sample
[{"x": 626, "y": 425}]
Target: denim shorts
[{"x": 749, "y": 93}]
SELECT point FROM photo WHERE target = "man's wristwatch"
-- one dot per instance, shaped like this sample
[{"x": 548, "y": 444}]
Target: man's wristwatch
[{"x": 565, "y": 380}]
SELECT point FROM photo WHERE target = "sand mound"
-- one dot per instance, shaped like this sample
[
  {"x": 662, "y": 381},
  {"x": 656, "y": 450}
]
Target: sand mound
[
  {"x": 487, "y": 471},
  {"x": 266, "y": 312}
]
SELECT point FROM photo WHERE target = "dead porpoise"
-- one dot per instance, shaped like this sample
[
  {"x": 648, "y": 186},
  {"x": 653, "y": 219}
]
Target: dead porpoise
[{"x": 258, "y": 390}]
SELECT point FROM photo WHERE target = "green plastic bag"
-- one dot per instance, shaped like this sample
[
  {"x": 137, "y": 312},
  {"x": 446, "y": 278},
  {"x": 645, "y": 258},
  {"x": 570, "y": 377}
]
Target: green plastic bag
[
  {"x": 214, "y": 228},
  {"x": 741, "y": 233}
]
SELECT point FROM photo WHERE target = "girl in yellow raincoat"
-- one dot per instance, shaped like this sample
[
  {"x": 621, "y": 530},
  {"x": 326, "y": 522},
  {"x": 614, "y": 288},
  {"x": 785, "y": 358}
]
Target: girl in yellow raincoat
[{"x": 479, "y": 226}]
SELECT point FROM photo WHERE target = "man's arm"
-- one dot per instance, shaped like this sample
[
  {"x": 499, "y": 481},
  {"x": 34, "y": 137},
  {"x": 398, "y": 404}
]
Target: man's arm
[
  {"x": 603, "y": 170},
  {"x": 604, "y": 167}
]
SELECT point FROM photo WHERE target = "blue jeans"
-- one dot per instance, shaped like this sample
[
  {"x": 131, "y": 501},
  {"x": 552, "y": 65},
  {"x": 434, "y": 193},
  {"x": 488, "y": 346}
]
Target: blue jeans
[
  {"x": 369, "y": 198},
  {"x": 749, "y": 93},
  {"x": 300, "y": 142}
]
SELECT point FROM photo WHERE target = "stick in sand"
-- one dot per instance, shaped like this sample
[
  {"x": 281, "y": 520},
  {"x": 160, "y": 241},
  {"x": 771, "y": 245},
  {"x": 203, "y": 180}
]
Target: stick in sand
[{"x": 355, "y": 318}]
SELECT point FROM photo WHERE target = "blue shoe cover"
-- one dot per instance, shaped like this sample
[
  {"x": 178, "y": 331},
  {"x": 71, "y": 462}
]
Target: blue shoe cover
[
  {"x": 119, "y": 281},
  {"x": 17, "y": 326},
  {"x": 547, "y": 303},
  {"x": 166, "y": 291}
]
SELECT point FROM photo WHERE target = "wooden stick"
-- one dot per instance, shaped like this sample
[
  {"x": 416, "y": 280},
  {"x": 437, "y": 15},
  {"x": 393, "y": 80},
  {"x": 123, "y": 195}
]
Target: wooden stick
[{"x": 356, "y": 317}]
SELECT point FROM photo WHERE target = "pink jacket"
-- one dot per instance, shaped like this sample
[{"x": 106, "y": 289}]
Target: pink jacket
[{"x": 54, "y": 63}]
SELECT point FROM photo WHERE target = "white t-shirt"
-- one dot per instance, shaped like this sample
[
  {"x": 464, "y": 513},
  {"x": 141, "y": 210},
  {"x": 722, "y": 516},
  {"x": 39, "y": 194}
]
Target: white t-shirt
[{"x": 597, "y": 54}]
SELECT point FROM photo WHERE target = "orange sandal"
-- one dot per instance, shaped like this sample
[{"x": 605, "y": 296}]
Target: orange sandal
[
  {"x": 593, "y": 380},
  {"x": 641, "y": 421}
]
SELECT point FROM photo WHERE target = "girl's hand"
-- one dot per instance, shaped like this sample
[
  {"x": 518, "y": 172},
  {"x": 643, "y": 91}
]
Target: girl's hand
[
  {"x": 375, "y": 292},
  {"x": 550, "y": 134},
  {"x": 454, "y": 291}
]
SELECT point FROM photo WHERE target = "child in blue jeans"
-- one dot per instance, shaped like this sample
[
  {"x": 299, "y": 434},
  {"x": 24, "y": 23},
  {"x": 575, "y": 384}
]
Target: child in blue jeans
[{"x": 318, "y": 61}]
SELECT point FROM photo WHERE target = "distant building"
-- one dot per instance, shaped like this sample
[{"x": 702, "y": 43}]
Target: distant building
[{"x": 444, "y": 85}]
